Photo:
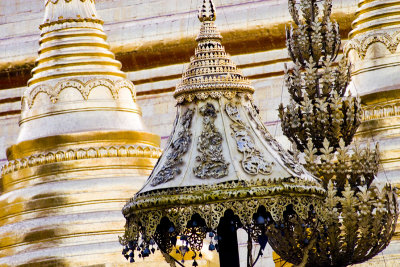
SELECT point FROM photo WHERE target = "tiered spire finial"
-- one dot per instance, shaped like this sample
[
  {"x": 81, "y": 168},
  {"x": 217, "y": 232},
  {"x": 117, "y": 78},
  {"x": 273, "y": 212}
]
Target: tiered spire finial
[
  {"x": 73, "y": 43},
  {"x": 75, "y": 64},
  {"x": 211, "y": 72},
  {"x": 207, "y": 16},
  {"x": 207, "y": 11}
]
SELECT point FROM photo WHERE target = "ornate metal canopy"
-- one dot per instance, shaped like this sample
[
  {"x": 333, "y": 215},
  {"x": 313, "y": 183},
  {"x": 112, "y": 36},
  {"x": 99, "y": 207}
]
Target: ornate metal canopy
[
  {"x": 359, "y": 215},
  {"x": 220, "y": 164}
]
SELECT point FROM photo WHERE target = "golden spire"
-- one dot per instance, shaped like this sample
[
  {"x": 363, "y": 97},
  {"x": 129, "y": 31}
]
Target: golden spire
[
  {"x": 207, "y": 11},
  {"x": 376, "y": 16},
  {"x": 211, "y": 72},
  {"x": 82, "y": 149},
  {"x": 77, "y": 85},
  {"x": 73, "y": 43}
]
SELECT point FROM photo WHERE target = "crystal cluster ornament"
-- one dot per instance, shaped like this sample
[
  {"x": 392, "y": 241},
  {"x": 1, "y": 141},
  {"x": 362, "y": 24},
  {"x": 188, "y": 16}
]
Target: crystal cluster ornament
[{"x": 360, "y": 215}]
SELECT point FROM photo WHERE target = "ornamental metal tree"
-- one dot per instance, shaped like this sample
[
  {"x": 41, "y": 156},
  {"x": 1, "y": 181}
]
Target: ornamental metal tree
[
  {"x": 360, "y": 216},
  {"x": 317, "y": 83}
]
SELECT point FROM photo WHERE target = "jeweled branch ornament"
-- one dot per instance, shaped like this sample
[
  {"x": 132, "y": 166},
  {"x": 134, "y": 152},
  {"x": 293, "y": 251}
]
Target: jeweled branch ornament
[
  {"x": 221, "y": 170},
  {"x": 359, "y": 215},
  {"x": 317, "y": 83}
]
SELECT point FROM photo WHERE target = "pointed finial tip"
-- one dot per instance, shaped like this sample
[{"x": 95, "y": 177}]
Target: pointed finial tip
[{"x": 207, "y": 11}]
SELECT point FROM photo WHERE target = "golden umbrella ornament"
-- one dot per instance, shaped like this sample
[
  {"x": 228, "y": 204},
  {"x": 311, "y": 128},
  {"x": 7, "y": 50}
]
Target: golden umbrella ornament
[{"x": 221, "y": 170}]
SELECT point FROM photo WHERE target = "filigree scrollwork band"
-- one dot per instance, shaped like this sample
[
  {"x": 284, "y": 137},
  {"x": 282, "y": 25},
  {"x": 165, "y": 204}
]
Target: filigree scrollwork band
[
  {"x": 253, "y": 161},
  {"x": 381, "y": 110},
  {"x": 141, "y": 210},
  {"x": 178, "y": 148},
  {"x": 80, "y": 153},
  {"x": 212, "y": 164},
  {"x": 287, "y": 158},
  {"x": 361, "y": 43}
]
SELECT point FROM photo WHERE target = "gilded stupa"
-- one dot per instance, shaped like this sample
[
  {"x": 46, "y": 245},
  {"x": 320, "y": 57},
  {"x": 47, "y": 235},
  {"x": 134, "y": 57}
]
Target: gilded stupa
[
  {"x": 373, "y": 51},
  {"x": 81, "y": 152}
]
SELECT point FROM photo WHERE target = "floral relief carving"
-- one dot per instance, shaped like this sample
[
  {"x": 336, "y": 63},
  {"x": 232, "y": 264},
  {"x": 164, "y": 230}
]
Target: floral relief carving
[
  {"x": 361, "y": 45},
  {"x": 253, "y": 161},
  {"x": 212, "y": 162},
  {"x": 81, "y": 153},
  {"x": 83, "y": 88},
  {"x": 178, "y": 148},
  {"x": 383, "y": 110},
  {"x": 287, "y": 158}
]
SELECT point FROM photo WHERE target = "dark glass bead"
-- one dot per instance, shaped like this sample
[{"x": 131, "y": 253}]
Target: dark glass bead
[{"x": 260, "y": 220}]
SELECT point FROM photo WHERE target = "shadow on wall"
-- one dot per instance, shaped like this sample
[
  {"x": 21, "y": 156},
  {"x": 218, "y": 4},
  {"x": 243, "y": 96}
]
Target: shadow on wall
[{"x": 45, "y": 262}]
